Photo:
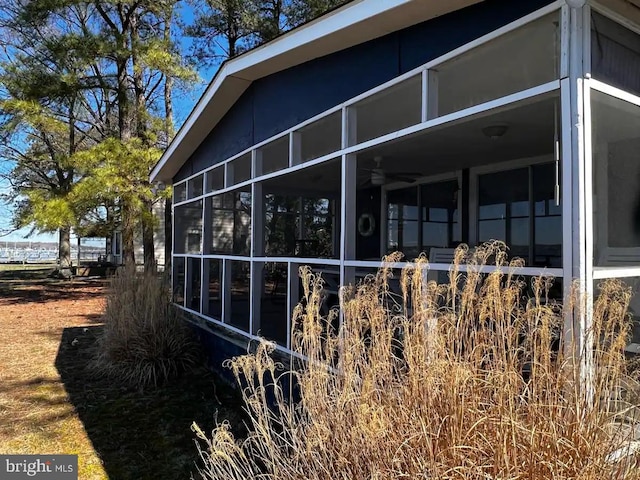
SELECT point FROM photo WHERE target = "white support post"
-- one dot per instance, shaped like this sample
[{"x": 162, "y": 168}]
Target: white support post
[
  {"x": 257, "y": 220},
  {"x": 431, "y": 87},
  {"x": 349, "y": 127},
  {"x": 569, "y": 243},
  {"x": 228, "y": 174},
  {"x": 295, "y": 149},
  {"x": 581, "y": 191},
  {"x": 425, "y": 96},
  {"x": 348, "y": 217},
  {"x": 565, "y": 20},
  {"x": 256, "y": 163}
]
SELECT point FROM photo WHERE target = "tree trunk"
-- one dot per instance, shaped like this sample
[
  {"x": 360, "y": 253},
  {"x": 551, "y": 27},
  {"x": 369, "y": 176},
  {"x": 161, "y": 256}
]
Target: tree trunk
[
  {"x": 64, "y": 252},
  {"x": 128, "y": 234},
  {"x": 148, "y": 243}
]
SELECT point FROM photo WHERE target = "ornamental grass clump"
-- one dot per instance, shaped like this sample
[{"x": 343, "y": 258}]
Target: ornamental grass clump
[
  {"x": 474, "y": 379},
  {"x": 144, "y": 342}
]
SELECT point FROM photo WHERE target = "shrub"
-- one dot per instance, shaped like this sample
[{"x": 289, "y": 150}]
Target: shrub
[
  {"x": 144, "y": 341},
  {"x": 474, "y": 382}
]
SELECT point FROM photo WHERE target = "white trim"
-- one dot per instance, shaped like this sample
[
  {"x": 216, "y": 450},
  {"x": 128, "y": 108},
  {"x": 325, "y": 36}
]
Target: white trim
[
  {"x": 348, "y": 117},
  {"x": 509, "y": 165},
  {"x": 240, "y": 186},
  {"x": 587, "y": 147},
  {"x": 601, "y": 273},
  {"x": 432, "y": 91},
  {"x": 301, "y": 166},
  {"x": 499, "y": 103},
  {"x": 207, "y": 98},
  {"x": 445, "y": 267},
  {"x": 530, "y": 93},
  {"x": 564, "y": 41},
  {"x": 237, "y": 330},
  {"x": 614, "y": 92},
  {"x": 215, "y": 256},
  {"x": 424, "y": 110},
  {"x": 586, "y": 41},
  {"x": 567, "y": 196},
  {"x": 299, "y": 260}
]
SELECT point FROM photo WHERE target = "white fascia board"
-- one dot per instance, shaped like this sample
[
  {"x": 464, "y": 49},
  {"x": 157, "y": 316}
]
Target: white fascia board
[{"x": 354, "y": 23}]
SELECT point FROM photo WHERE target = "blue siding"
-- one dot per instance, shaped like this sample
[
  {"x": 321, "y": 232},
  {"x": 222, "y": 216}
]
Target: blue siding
[
  {"x": 284, "y": 99},
  {"x": 292, "y": 96},
  {"x": 233, "y": 134}
]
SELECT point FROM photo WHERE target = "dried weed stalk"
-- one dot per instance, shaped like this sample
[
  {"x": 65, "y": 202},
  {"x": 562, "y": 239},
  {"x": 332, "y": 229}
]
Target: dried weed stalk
[{"x": 468, "y": 380}]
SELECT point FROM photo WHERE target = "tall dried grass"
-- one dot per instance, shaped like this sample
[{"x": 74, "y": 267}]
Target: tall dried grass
[
  {"x": 144, "y": 342},
  {"x": 475, "y": 381}
]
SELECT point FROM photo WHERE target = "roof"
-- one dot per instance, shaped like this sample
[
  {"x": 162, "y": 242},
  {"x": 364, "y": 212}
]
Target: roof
[{"x": 354, "y": 23}]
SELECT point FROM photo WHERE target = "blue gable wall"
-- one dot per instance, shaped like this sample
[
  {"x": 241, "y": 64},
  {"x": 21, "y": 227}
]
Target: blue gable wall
[{"x": 278, "y": 102}]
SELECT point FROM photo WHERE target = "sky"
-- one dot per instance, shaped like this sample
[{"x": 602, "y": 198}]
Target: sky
[{"x": 183, "y": 104}]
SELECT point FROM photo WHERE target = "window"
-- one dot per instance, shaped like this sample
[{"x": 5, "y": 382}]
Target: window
[
  {"x": 230, "y": 223},
  {"x": 195, "y": 281},
  {"x": 440, "y": 224},
  {"x": 522, "y": 59},
  {"x": 188, "y": 228},
  {"x": 180, "y": 192},
  {"x": 213, "y": 305},
  {"x": 503, "y": 209},
  {"x": 239, "y": 170},
  {"x": 274, "y": 156},
  {"x": 298, "y": 226},
  {"x": 273, "y": 301},
  {"x": 320, "y": 138},
  {"x": 403, "y": 222},
  {"x": 422, "y": 217},
  {"x": 178, "y": 277},
  {"x": 616, "y": 174},
  {"x": 194, "y": 187},
  {"x": 395, "y": 108},
  {"x": 547, "y": 245},
  {"x": 215, "y": 179},
  {"x": 615, "y": 54},
  {"x": 240, "y": 295},
  {"x": 519, "y": 208}
]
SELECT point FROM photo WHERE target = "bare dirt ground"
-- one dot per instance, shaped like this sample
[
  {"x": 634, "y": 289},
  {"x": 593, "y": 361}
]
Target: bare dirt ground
[{"x": 51, "y": 403}]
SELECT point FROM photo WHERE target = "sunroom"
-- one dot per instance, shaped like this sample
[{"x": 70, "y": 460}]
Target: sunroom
[{"x": 529, "y": 134}]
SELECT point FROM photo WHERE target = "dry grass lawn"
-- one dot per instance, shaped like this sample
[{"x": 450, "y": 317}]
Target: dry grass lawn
[
  {"x": 50, "y": 402},
  {"x": 35, "y": 414}
]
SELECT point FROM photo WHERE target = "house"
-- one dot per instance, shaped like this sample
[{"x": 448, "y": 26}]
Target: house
[
  {"x": 409, "y": 125},
  {"x": 113, "y": 244}
]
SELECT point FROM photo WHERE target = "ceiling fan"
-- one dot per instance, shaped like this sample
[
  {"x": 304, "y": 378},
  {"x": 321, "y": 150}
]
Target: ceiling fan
[{"x": 379, "y": 177}]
